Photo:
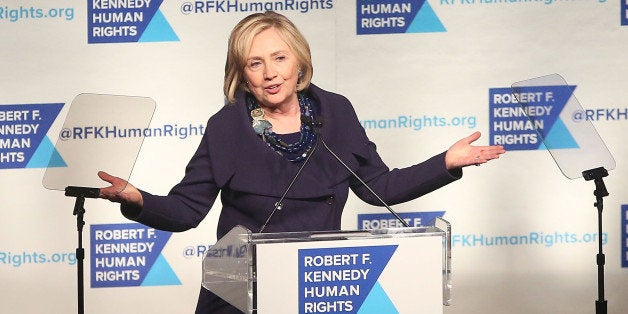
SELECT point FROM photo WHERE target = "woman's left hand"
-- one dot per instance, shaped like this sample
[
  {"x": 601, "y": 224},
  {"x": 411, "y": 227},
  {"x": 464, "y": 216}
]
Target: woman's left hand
[{"x": 463, "y": 154}]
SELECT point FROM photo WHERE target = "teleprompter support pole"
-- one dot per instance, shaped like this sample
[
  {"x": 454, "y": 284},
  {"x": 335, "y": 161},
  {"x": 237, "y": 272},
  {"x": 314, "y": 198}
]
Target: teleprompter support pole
[
  {"x": 80, "y": 193},
  {"x": 600, "y": 192},
  {"x": 80, "y": 252}
]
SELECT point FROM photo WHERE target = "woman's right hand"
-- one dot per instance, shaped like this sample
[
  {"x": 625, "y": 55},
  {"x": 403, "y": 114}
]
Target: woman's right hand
[{"x": 120, "y": 191}]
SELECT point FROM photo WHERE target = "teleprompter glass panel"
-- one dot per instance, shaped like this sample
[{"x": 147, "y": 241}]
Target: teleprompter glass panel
[
  {"x": 556, "y": 115},
  {"x": 100, "y": 132}
]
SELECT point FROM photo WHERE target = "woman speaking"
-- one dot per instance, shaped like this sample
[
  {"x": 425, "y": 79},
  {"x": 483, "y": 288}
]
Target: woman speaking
[{"x": 267, "y": 138}]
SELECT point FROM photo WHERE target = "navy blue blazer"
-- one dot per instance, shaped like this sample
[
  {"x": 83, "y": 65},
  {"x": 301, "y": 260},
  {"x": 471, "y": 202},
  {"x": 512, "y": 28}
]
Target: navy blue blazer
[
  {"x": 233, "y": 159},
  {"x": 251, "y": 177}
]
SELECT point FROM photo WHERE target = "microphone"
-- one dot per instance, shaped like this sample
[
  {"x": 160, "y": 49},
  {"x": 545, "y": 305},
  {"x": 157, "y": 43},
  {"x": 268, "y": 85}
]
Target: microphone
[
  {"x": 312, "y": 122},
  {"x": 315, "y": 124},
  {"x": 279, "y": 204}
]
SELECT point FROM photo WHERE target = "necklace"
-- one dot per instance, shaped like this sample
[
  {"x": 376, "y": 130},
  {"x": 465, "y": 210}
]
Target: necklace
[{"x": 294, "y": 152}]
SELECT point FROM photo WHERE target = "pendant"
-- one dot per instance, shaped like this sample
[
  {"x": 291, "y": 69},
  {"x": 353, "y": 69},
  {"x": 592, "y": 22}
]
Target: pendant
[
  {"x": 259, "y": 126},
  {"x": 259, "y": 123}
]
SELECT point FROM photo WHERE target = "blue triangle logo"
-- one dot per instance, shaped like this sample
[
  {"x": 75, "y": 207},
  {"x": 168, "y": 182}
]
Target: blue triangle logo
[
  {"x": 377, "y": 302},
  {"x": 426, "y": 21},
  {"x": 559, "y": 137},
  {"x": 158, "y": 30},
  {"x": 46, "y": 156},
  {"x": 161, "y": 274}
]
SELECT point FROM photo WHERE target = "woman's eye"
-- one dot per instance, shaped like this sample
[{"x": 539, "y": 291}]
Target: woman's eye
[{"x": 254, "y": 64}]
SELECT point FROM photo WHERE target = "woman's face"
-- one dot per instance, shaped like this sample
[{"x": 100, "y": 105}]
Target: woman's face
[{"x": 272, "y": 70}]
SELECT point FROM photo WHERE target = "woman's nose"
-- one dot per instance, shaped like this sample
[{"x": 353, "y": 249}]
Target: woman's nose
[{"x": 270, "y": 72}]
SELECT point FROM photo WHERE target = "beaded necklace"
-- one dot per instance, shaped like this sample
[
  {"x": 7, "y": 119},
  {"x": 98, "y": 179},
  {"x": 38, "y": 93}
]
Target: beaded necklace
[{"x": 294, "y": 152}]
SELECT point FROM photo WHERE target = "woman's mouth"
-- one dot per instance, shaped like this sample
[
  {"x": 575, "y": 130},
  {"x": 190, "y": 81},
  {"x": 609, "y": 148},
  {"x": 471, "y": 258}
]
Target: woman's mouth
[{"x": 272, "y": 89}]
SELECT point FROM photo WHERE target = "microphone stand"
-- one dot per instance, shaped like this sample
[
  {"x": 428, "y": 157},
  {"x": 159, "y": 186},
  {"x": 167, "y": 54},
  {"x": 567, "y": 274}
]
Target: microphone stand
[
  {"x": 600, "y": 191},
  {"x": 80, "y": 193},
  {"x": 315, "y": 124},
  {"x": 403, "y": 222}
]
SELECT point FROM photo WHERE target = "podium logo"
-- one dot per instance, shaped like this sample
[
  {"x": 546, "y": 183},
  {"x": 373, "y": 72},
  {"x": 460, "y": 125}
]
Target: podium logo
[
  {"x": 129, "y": 255},
  {"x": 117, "y": 21},
  {"x": 23, "y": 139},
  {"x": 390, "y": 17},
  {"x": 344, "y": 280},
  {"x": 530, "y": 119}
]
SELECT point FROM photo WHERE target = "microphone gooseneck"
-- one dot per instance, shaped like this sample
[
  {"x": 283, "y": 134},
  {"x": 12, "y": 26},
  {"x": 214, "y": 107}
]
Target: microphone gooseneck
[
  {"x": 279, "y": 203},
  {"x": 315, "y": 124}
]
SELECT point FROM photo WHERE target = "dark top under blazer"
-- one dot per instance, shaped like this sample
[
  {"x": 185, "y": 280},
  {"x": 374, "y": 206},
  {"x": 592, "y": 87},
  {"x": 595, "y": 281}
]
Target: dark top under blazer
[{"x": 251, "y": 176}]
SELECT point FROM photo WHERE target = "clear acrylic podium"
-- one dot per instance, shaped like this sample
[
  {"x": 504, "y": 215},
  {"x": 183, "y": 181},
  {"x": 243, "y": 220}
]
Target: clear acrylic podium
[{"x": 394, "y": 270}]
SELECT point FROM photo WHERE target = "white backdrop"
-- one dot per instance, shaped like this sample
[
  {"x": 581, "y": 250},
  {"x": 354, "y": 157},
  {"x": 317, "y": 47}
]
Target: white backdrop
[{"x": 47, "y": 57}]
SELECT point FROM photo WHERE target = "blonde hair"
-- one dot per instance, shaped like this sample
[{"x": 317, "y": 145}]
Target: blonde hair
[{"x": 240, "y": 44}]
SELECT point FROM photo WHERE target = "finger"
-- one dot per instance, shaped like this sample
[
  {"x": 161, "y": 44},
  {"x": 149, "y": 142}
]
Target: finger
[
  {"x": 492, "y": 149},
  {"x": 106, "y": 193},
  {"x": 492, "y": 155},
  {"x": 106, "y": 177},
  {"x": 498, "y": 148},
  {"x": 110, "y": 192},
  {"x": 473, "y": 137}
]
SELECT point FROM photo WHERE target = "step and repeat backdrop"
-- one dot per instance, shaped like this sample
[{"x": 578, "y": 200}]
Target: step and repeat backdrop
[{"x": 421, "y": 75}]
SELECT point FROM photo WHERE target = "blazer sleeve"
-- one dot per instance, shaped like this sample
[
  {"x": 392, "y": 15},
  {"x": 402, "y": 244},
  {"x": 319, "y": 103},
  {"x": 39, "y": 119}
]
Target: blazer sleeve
[
  {"x": 397, "y": 185},
  {"x": 187, "y": 203},
  {"x": 405, "y": 184}
]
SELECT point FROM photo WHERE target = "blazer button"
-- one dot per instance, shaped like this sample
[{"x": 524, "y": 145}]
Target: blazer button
[{"x": 330, "y": 200}]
